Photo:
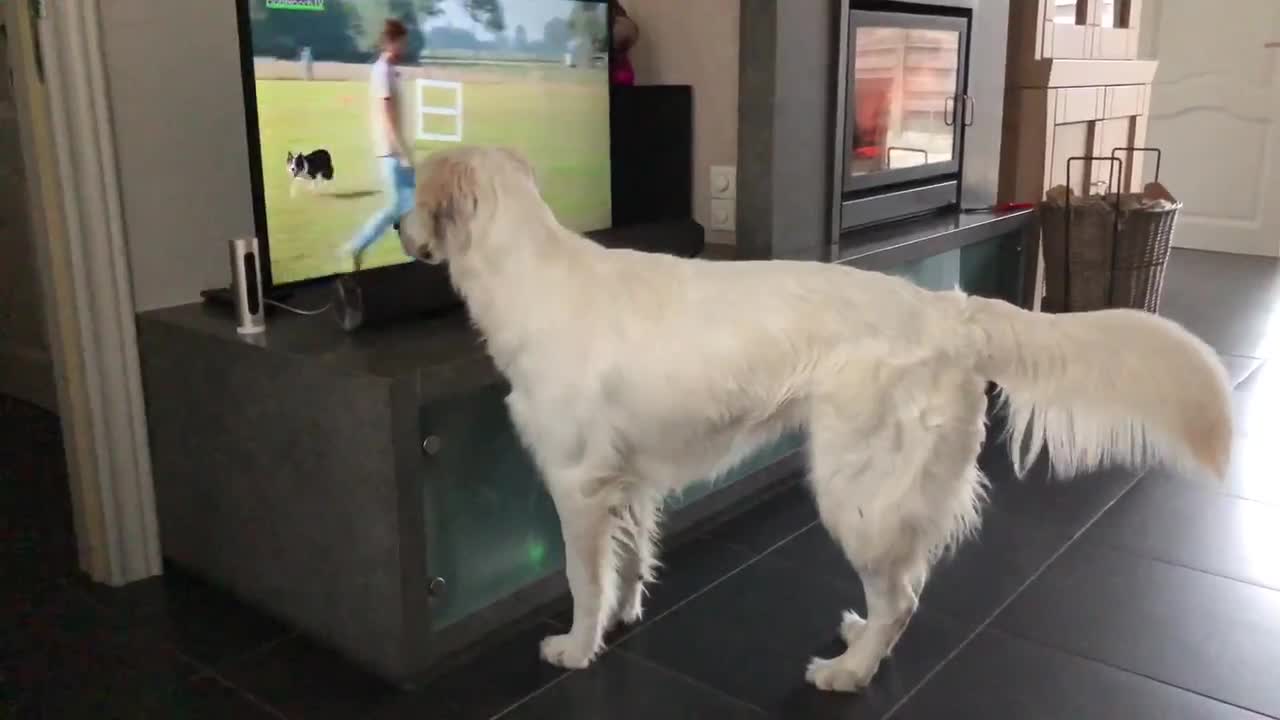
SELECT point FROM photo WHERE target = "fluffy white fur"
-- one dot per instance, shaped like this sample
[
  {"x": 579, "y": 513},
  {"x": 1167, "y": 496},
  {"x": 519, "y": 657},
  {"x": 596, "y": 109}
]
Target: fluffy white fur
[{"x": 635, "y": 374}]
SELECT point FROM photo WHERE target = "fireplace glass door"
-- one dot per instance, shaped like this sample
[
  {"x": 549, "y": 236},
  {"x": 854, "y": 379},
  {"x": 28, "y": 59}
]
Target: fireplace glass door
[{"x": 906, "y": 103}]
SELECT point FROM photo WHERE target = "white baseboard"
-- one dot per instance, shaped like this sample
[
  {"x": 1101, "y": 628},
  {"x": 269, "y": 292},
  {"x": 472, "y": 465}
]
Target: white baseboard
[{"x": 27, "y": 374}]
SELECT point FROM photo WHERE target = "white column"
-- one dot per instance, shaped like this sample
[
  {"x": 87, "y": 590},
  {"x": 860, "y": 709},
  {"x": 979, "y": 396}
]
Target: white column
[{"x": 92, "y": 315}]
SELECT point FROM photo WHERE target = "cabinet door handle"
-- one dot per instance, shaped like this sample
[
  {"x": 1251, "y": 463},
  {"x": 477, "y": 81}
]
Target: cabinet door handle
[
  {"x": 970, "y": 110},
  {"x": 431, "y": 445},
  {"x": 949, "y": 111},
  {"x": 1272, "y": 45}
]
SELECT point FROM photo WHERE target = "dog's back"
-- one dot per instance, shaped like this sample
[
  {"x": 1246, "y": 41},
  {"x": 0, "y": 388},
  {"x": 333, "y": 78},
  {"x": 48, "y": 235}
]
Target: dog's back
[
  {"x": 315, "y": 165},
  {"x": 319, "y": 164}
]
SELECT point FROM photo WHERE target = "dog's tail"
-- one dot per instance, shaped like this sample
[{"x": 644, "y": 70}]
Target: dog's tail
[{"x": 1108, "y": 387}]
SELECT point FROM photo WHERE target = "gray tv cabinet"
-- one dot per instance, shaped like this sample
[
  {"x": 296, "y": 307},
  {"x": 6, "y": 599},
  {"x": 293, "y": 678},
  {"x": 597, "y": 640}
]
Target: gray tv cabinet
[{"x": 369, "y": 489}]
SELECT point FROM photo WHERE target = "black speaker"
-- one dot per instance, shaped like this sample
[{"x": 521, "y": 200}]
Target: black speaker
[{"x": 651, "y": 146}]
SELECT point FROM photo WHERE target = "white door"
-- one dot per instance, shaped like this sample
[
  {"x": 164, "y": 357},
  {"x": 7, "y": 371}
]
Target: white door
[{"x": 1215, "y": 111}]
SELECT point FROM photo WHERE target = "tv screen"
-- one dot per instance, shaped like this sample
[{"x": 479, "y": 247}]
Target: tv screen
[{"x": 527, "y": 74}]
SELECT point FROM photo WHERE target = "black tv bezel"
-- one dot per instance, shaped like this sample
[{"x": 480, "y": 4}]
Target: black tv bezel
[{"x": 253, "y": 139}]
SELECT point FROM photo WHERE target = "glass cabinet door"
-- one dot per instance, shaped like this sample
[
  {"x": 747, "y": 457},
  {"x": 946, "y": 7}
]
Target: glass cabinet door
[
  {"x": 1068, "y": 12},
  {"x": 491, "y": 527},
  {"x": 1116, "y": 34},
  {"x": 1067, "y": 32}
]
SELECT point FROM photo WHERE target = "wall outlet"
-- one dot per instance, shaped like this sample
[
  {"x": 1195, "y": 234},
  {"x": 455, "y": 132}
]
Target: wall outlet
[
  {"x": 724, "y": 182},
  {"x": 723, "y": 213}
]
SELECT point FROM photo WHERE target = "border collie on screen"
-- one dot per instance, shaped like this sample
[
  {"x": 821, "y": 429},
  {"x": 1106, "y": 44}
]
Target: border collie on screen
[{"x": 316, "y": 167}]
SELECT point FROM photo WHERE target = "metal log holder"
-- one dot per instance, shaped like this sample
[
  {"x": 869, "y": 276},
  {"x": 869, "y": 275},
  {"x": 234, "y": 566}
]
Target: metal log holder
[{"x": 1140, "y": 241}]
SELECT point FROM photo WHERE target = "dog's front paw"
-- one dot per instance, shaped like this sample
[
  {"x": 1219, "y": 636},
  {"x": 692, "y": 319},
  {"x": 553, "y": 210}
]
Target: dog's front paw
[
  {"x": 831, "y": 675},
  {"x": 851, "y": 627},
  {"x": 566, "y": 652}
]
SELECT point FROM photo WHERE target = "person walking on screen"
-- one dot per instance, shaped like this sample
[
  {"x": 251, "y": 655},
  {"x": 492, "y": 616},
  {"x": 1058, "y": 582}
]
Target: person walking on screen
[{"x": 395, "y": 163}]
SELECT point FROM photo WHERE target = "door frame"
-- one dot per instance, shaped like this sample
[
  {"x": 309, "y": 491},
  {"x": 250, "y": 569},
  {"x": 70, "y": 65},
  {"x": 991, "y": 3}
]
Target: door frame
[{"x": 60, "y": 83}]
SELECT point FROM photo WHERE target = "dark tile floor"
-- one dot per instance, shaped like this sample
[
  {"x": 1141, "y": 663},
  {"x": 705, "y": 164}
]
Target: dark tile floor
[{"x": 1111, "y": 596}]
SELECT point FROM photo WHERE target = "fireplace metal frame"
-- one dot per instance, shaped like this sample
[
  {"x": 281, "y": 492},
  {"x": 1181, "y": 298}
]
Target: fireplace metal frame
[
  {"x": 982, "y": 82},
  {"x": 957, "y": 108}
]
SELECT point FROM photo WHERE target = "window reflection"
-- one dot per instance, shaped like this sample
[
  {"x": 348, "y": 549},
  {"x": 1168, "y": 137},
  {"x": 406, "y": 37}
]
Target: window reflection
[
  {"x": 1115, "y": 13},
  {"x": 904, "y": 84},
  {"x": 1068, "y": 12}
]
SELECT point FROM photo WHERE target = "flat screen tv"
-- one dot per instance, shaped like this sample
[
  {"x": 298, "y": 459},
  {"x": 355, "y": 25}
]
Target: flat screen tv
[{"x": 528, "y": 74}]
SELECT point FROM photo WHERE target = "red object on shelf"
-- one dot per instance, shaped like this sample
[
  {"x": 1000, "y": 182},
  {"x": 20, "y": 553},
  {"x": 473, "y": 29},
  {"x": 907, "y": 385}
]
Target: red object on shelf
[
  {"x": 623, "y": 73},
  {"x": 625, "y": 35}
]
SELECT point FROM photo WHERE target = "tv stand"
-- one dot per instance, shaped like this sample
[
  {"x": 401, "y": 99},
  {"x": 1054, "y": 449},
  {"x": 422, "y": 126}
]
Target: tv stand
[
  {"x": 367, "y": 488},
  {"x": 222, "y": 297}
]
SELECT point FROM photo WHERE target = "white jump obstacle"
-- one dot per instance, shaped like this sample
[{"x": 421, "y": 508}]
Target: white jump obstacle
[{"x": 454, "y": 111}]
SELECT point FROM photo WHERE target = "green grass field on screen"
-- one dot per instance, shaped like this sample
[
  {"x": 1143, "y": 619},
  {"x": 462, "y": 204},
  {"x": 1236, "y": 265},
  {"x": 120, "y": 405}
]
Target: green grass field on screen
[{"x": 557, "y": 116}]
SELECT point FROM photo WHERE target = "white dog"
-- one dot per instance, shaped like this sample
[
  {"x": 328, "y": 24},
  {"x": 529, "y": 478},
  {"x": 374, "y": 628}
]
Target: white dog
[{"x": 636, "y": 374}]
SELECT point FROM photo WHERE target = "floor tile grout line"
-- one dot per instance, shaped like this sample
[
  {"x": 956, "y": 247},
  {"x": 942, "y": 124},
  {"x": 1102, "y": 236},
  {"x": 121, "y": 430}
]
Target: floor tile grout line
[
  {"x": 1252, "y": 371},
  {"x": 1218, "y": 490},
  {"x": 114, "y": 612},
  {"x": 203, "y": 670},
  {"x": 207, "y": 671},
  {"x": 1119, "y": 668},
  {"x": 654, "y": 620},
  {"x": 755, "y": 555},
  {"x": 1008, "y": 601},
  {"x": 719, "y": 580},
  {"x": 690, "y": 679},
  {"x": 1131, "y": 552},
  {"x": 1227, "y": 493},
  {"x": 253, "y": 652}
]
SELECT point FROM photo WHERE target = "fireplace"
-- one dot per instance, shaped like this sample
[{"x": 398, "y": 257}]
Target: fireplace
[
  {"x": 828, "y": 155},
  {"x": 905, "y": 110}
]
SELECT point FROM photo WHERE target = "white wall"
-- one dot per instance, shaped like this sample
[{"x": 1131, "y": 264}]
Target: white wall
[
  {"x": 695, "y": 43},
  {"x": 173, "y": 69}
]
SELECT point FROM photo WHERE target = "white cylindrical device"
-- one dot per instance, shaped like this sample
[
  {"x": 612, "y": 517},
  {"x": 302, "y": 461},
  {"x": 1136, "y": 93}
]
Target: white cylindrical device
[{"x": 246, "y": 286}]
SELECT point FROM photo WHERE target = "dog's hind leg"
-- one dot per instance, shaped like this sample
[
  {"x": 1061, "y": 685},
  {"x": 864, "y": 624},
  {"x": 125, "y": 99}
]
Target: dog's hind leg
[
  {"x": 591, "y": 568},
  {"x": 890, "y": 605},
  {"x": 640, "y": 562},
  {"x": 893, "y": 501},
  {"x": 887, "y": 581},
  {"x": 852, "y": 624}
]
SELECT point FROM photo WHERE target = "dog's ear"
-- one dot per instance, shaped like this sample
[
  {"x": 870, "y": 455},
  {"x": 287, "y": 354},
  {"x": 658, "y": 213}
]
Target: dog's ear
[{"x": 449, "y": 197}]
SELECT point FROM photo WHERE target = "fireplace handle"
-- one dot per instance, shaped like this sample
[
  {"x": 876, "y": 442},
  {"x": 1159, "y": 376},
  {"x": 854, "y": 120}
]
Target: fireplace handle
[
  {"x": 949, "y": 111},
  {"x": 970, "y": 110},
  {"x": 888, "y": 153}
]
